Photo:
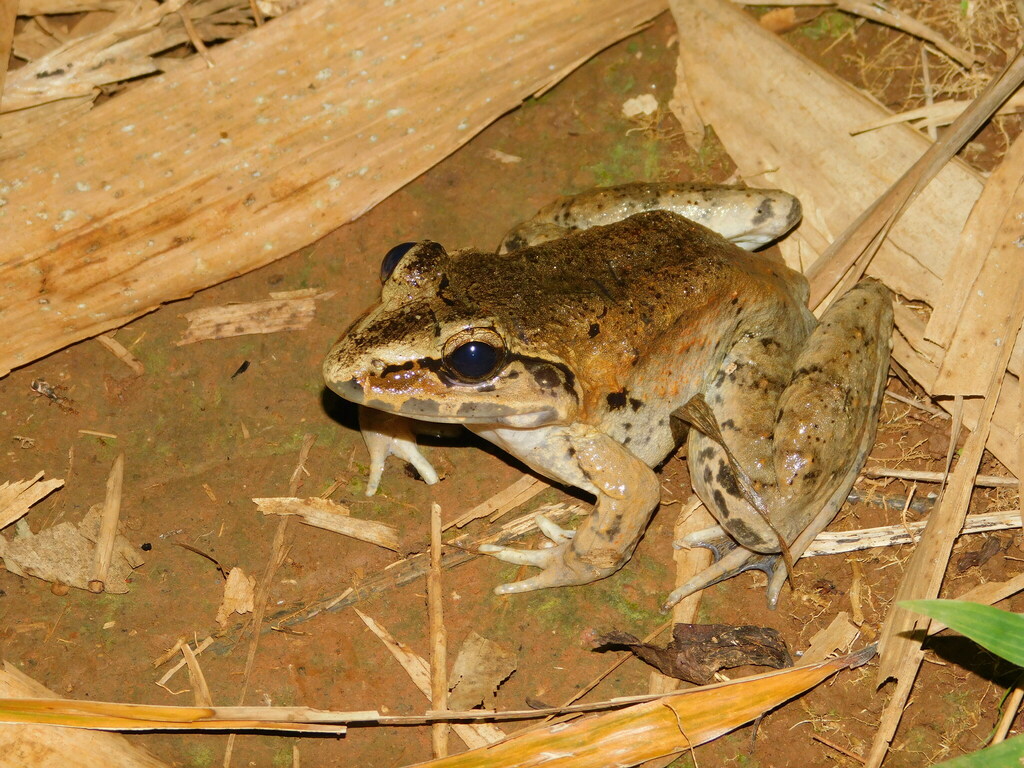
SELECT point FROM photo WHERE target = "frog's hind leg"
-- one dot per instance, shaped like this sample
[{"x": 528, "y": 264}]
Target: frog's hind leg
[{"x": 750, "y": 218}]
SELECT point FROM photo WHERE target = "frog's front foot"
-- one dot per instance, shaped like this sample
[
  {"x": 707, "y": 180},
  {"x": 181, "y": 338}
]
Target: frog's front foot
[
  {"x": 386, "y": 434},
  {"x": 561, "y": 567},
  {"x": 730, "y": 560}
]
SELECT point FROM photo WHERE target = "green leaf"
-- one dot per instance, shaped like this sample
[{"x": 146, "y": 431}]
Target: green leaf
[
  {"x": 1006, "y": 754},
  {"x": 999, "y": 631}
]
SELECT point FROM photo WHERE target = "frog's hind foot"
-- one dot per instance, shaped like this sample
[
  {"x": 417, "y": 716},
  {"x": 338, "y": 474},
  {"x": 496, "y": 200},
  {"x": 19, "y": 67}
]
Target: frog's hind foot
[{"x": 730, "y": 560}]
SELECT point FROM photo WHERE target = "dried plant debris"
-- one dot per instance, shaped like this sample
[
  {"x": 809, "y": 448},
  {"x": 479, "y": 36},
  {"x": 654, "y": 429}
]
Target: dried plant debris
[
  {"x": 64, "y": 554},
  {"x": 16, "y": 497},
  {"x": 481, "y": 666},
  {"x": 698, "y": 651},
  {"x": 239, "y": 595},
  {"x": 268, "y": 316}
]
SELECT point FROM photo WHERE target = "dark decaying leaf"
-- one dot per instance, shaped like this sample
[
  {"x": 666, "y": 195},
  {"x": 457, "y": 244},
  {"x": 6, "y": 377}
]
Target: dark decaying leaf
[{"x": 698, "y": 651}]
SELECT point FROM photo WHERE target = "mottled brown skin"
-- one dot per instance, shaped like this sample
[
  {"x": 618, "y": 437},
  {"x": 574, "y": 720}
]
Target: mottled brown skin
[{"x": 603, "y": 335}]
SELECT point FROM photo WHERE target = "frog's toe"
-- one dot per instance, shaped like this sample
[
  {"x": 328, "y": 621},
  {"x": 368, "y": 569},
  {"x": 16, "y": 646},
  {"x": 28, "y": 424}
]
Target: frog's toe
[
  {"x": 730, "y": 560},
  {"x": 553, "y": 531},
  {"x": 380, "y": 445},
  {"x": 539, "y": 558}
]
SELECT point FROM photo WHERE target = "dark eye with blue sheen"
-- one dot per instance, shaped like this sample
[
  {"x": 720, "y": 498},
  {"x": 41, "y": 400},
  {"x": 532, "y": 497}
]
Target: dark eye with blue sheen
[
  {"x": 475, "y": 355},
  {"x": 391, "y": 259}
]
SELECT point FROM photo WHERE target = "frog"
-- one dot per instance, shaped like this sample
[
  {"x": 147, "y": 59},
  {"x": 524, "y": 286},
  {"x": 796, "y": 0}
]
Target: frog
[{"x": 603, "y": 332}]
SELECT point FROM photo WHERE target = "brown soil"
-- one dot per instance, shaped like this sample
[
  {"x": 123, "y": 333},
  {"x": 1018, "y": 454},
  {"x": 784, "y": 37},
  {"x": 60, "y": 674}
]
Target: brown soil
[{"x": 201, "y": 439}]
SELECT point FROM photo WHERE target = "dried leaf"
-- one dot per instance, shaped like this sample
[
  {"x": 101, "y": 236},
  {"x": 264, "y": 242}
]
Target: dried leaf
[
  {"x": 698, "y": 651},
  {"x": 481, "y": 666},
  {"x": 268, "y": 316},
  {"x": 16, "y": 497},
  {"x": 239, "y": 595}
]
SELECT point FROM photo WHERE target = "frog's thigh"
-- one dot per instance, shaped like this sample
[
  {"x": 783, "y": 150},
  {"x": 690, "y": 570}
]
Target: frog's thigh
[
  {"x": 628, "y": 492},
  {"x": 743, "y": 394},
  {"x": 828, "y": 413}
]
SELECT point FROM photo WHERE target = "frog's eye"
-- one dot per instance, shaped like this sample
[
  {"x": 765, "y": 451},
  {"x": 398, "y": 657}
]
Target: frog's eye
[
  {"x": 392, "y": 258},
  {"x": 474, "y": 355}
]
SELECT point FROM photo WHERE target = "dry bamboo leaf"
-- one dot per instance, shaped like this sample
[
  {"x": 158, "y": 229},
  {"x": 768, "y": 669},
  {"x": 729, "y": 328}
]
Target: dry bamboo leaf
[
  {"x": 900, "y": 640},
  {"x": 21, "y": 129},
  {"x": 54, "y": 7},
  {"x": 476, "y": 735},
  {"x": 214, "y": 188},
  {"x": 268, "y": 316},
  {"x": 115, "y": 716},
  {"x": 480, "y": 668},
  {"x": 239, "y": 595},
  {"x": 839, "y": 636},
  {"x": 63, "y": 554},
  {"x": 438, "y": 636},
  {"x": 42, "y": 746},
  {"x": 938, "y": 114},
  {"x": 332, "y": 516},
  {"x": 18, "y": 496},
  {"x": 669, "y": 725},
  {"x": 990, "y": 282},
  {"x": 786, "y": 123}
]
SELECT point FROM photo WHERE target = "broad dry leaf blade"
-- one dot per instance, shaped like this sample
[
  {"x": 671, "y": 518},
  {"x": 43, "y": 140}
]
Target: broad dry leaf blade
[{"x": 612, "y": 738}]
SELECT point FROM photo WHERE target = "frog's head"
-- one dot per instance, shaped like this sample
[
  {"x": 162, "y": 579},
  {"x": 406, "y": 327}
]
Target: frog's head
[{"x": 430, "y": 350}]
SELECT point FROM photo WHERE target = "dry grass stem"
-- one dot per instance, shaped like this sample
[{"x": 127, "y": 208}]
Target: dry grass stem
[
  {"x": 331, "y": 516},
  {"x": 170, "y": 673},
  {"x": 1010, "y": 710},
  {"x": 117, "y": 349},
  {"x": 108, "y": 526},
  {"x": 438, "y": 636}
]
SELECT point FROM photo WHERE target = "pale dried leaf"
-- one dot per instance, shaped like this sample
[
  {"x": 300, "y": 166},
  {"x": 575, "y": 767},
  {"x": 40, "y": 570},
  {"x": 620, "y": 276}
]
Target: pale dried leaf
[
  {"x": 480, "y": 667},
  {"x": 239, "y": 595},
  {"x": 62, "y": 554},
  {"x": 839, "y": 635}
]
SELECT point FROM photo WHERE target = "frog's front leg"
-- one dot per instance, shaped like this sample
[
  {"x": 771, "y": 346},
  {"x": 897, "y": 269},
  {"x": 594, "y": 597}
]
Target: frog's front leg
[
  {"x": 387, "y": 434},
  {"x": 627, "y": 494}
]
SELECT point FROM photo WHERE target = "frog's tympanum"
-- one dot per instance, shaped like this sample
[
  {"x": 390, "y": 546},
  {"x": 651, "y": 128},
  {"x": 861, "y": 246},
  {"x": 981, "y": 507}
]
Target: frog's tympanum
[{"x": 599, "y": 331}]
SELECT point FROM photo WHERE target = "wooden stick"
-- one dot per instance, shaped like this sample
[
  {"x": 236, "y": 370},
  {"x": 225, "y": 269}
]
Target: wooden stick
[
  {"x": 925, "y": 476},
  {"x": 438, "y": 637},
  {"x": 197, "y": 678},
  {"x": 108, "y": 526}
]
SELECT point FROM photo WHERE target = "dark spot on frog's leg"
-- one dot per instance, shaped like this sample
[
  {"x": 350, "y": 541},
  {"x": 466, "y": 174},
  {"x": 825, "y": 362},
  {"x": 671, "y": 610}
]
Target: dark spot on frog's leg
[
  {"x": 635, "y": 404},
  {"x": 708, "y": 475},
  {"x": 626, "y": 440},
  {"x": 706, "y": 454},
  {"x": 616, "y": 400},
  {"x": 614, "y": 528},
  {"x": 729, "y": 424},
  {"x": 720, "y": 503},
  {"x": 769, "y": 343},
  {"x": 727, "y": 480}
]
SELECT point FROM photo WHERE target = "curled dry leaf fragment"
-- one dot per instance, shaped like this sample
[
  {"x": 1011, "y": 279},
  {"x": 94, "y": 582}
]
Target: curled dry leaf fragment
[
  {"x": 16, "y": 497},
  {"x": 481, "y": 666},
  {"x": 64, "y": 553},
  {"x": 239, "y": 595},
  {"x": 698, "y": 651}
]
